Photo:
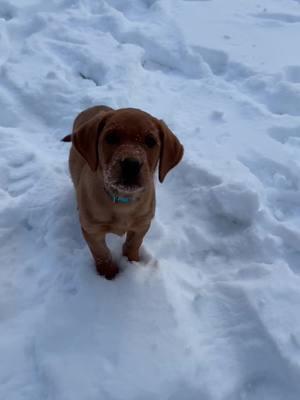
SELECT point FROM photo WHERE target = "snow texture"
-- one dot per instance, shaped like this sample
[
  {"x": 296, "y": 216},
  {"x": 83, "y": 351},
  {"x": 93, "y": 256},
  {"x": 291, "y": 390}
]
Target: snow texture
[{"x": 212, "y": 311}]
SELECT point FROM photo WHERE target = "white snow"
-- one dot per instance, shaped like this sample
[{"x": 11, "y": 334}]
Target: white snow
[{"x": 212, "y": 311}]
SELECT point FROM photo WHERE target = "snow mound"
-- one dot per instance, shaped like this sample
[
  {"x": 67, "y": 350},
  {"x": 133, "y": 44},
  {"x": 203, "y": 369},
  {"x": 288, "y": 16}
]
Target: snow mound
[{"x": 234, "y": 202}]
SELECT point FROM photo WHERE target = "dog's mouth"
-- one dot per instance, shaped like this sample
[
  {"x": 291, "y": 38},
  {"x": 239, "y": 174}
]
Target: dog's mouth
[{"x": 126, "y": 187}]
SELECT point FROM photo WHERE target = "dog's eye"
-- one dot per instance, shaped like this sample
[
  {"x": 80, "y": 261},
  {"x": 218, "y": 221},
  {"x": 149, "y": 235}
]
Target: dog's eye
[
  {"x": 112, "y": 138},
  {"x": 150, "y": 141}
]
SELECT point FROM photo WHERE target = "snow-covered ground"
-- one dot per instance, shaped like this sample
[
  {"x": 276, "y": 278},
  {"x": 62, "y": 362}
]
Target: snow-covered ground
[{"x": 212, "y": 312}]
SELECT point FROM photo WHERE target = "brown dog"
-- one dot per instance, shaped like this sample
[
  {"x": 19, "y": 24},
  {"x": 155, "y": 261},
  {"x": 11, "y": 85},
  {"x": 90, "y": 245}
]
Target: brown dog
[{"x": 112, "y": 162}]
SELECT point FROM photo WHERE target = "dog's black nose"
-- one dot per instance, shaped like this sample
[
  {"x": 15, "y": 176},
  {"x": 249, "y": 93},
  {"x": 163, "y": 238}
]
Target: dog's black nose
[{"x": 130, "y": 167}]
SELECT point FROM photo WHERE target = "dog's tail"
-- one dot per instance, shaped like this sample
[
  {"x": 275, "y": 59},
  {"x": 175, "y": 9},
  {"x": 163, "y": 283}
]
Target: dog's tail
[{"x": 67, "y": 138}]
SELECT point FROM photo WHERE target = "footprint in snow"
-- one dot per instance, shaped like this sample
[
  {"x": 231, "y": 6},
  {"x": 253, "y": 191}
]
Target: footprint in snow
[
  {"x": 286, "y": 135},
  {"x": 217, "y": 60},
  {"x": 272, "y": 174},
  {"x": 279, "y": 96},
  {"x": 20, "y": 178},
  {"x": 7, "y": 10},
  {"x": 282, "y": 187},
  {"x": 289, "y": 139},
  {"x": 22, "y": 174},
  {"x": 281, "y": 182},
  {"x": 236, "y": 328}
]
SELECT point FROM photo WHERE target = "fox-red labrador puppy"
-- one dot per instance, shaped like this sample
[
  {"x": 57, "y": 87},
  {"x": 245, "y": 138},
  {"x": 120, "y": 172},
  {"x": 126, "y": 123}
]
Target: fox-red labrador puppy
[{"x": 112, "y": 162}]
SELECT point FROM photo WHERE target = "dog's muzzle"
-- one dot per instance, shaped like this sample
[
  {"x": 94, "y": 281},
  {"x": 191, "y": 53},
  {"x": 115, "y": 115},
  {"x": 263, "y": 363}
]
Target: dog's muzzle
[
  {"x": 127, "y": 172},
  {"x": 130, "y": 170}
]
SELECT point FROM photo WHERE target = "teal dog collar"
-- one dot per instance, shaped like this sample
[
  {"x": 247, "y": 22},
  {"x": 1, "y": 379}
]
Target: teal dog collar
[
  {"x": 124, "y": 200},
  {"x": 119, "y": 199}
]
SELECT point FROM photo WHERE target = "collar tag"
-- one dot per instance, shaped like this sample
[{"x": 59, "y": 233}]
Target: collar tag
[{"x": 117, "y": 199}]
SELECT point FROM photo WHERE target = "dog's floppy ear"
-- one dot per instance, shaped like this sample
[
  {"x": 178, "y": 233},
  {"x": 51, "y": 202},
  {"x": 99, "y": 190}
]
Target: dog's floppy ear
[
  {"x": 86, "y": 137},
  {"x": 171, "y": 151}
]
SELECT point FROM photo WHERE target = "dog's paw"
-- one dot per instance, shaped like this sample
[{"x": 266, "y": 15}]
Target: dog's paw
[
  {"x": 131, "y": 254},
  {"x": 109, "y": 271}
]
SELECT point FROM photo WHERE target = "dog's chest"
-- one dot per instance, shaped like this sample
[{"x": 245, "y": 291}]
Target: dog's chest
[
  {"x": 119, "y": 219},
  {"x": 119, "y": 226}
]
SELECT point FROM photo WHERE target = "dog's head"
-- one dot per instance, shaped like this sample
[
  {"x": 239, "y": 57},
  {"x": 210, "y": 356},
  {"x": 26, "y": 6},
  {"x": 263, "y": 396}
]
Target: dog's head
[{"x": 125, "y": 146}]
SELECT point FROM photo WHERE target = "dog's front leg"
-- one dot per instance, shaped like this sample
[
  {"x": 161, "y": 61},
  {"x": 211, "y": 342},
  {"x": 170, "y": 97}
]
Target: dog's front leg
[
  {"x": 102, "y": 256},
  {"x": 134, "y": 240}
]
